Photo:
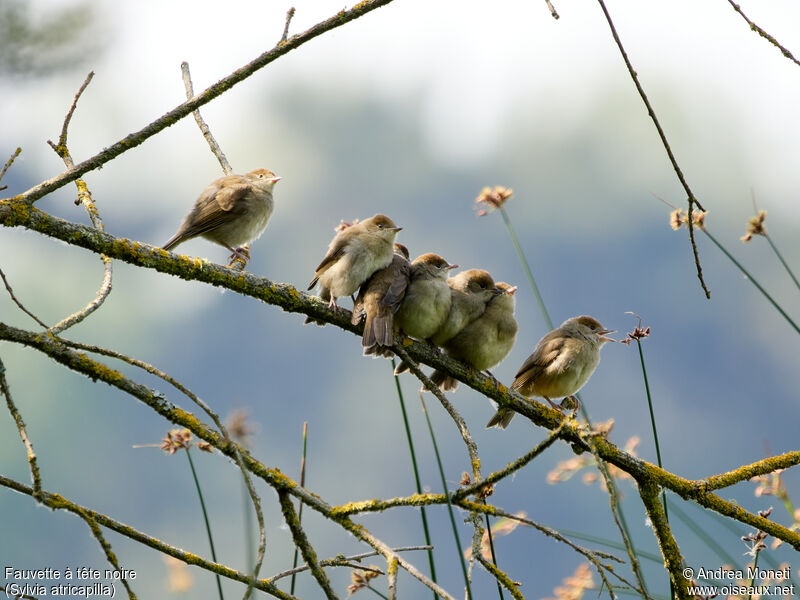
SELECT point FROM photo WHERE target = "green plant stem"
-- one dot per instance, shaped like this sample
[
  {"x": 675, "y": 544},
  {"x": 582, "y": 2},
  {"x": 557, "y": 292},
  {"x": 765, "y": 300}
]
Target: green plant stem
[
  {"x": 655, "y": 439},
  {"x": 753, "y": 578},
  {"x": 369, "y": 587},
  {"x": 783, "y": 262},
  {"x": 447, "y": 497},
  {"x": 656, "y": 558},
  {"x": 425, "y": 529},
  {"x": 205, "y": 518},
  {"x": 527, "y": 268},
  {"x": 753, "y": 281},
  {"x": 494, "y": 557},
  {"x": 300, "y": 510}
]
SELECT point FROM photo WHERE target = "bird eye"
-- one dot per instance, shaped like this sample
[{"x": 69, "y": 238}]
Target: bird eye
[{"x": 380, "y": 225}]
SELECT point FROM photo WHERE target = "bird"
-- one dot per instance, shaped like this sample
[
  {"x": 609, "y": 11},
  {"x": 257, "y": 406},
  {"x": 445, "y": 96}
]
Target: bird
[
  {"x": 379, "y": 299},
  {"x": 232, "y": 211},
  {"x": 561, "y": 364},
  {"x": 354, "y": 254},
  {"x": 427, "y": 300},
  {"x": 486, "y": 341},
  {"x": 470, "y": 291}
]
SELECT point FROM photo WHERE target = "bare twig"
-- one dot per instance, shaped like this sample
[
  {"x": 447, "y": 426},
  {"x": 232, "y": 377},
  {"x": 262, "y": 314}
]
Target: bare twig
[
  {"x": 691, "y": 197},
  {"x": 8, "y": 164},
  {"x": 254, "y": 497},
  {"x": 23, "y": 433},
  {"x": 182, "y": 110},
  {"x": 85, "y": 198},
  {"x": 289, "y": 15},
  {"x": 614, "y": 504},
  {"x": 17, "y": 302},
  {"x": 552, "y": 9},
  {"x": 348, "y": 561},
  {"x": 764, "y": 34},
  {"x": 187, "y": 83},
  {"x": 301, "y": 541}
]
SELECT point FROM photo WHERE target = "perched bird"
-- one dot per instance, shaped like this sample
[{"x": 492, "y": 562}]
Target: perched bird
[
  {"x": 486, "y": 341},
  {"x": 379, "y": 299},
  {"x": 354, "y": 254},
  {"x": 232, "y": 211},
  {"x": 561, "y": 364},
  {"x": 470, "y": 292},
  {"x": 427, "y": 301}
]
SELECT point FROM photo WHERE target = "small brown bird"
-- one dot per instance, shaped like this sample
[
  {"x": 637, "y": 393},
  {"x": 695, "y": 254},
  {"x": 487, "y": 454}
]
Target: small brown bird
[
  {"x": 486, "y": 341},
  {"x": 232, "y": 211},
  {"x": 561, "y": 364},
  {"x": 427, "y": 302},
  {"x": 470, "y": 292},
  {"x": 353, "y": 256},
  {"x": 379, "y": 299}
]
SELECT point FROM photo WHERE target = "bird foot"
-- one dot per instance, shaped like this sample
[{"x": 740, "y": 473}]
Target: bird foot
[{"x": 242, "y": 253}]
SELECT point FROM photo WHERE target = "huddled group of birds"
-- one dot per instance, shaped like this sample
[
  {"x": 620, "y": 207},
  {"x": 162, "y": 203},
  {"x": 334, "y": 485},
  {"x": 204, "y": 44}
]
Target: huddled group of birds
[{"x": 469, "y": 315}]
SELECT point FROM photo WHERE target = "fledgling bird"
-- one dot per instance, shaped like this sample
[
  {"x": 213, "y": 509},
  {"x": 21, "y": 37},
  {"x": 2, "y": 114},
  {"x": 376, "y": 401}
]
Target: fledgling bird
[
  {"x": 427, "y": 301},
  {"x": 354, "y": 254},
  {"x": 232, "y": 211},
  {"x": 470, "y": 292},
  {"x": 486, "y": 341},
  {"x": 379, "y": 299},
  {"x": 561, "y": 364}
]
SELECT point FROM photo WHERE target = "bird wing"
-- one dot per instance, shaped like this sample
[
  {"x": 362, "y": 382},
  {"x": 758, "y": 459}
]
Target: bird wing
[
  {"x": 335, "y": 252},
  {"x": 547, "y": 352},
  {"x": 397, "y": 290},
  {"x": 214, "y": 207}
]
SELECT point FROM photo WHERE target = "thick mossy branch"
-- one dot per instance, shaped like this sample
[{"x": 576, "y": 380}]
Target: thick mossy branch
[
  {"x": 673, "y": 561},
  {"x": 16, "y": 213}
]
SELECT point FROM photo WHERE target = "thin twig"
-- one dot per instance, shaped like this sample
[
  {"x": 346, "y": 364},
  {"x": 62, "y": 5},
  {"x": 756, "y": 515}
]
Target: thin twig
[
  {"x": 110, "y": 556},
  {"x": 347, "y": 561},
  {"x": 212, "y": 143},
  {"x": 23, "y": 432},
  {"x": 8, "y": 164},
  {"x": 614, "y": 504},
  {"x": 472, "y": 447},
  {"x": 254, "y": 497},
  {"x": 300, "y": 509},
  {"x": 301, "y": 541},
  {"x": 501, "y": 577},
  {"x": 85, "y": 198},
  {"x": 62, "y": 139},
  {"x": 17, "y": 302},
  {"x": 59, "y": 502},
  {"x": 289, "y": 15},
  {"x": 764, "y": 34},
  {"x": 692, "y": 199},
  {"x": 552, "y": 9},
  {"x": 182, "y": 110}
]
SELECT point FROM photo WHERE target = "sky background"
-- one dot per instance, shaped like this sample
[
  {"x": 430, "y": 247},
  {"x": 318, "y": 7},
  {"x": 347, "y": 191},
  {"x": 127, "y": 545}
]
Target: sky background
[{"x": 409, "y": 111}]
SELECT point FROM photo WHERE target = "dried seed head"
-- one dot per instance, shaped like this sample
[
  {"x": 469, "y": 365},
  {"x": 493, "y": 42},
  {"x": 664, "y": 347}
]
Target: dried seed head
[
  {"x": 755, "y": 226},
  {"x": 493, "y": 198}
]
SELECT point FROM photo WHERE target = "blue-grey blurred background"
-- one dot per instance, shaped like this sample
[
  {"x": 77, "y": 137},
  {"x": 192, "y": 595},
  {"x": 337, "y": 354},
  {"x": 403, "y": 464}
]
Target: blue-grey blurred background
[{"x": 408, "y": 111}]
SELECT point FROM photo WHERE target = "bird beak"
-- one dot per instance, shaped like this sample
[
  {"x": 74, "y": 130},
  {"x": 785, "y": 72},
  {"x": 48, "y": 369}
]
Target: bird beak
[
  {"x": 275, "y": 179},
  {"x": 395, "y": 229},
  {"x": 604, "y": 333},
  {"x": 512, "y": 290},
  {"x": 451, "y": 267},
  {"x": 498, "y": 291}
]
